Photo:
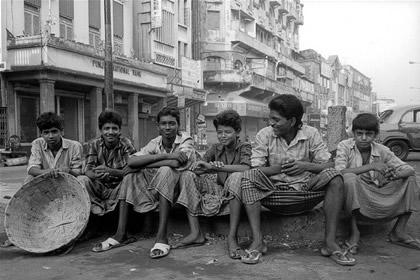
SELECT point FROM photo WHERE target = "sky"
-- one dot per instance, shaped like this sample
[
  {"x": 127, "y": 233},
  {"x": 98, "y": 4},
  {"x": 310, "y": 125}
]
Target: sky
[{"x": 378, "y": 38}]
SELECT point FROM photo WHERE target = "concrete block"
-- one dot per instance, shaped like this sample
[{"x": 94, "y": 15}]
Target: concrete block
[{"x": 336, "y": 131}]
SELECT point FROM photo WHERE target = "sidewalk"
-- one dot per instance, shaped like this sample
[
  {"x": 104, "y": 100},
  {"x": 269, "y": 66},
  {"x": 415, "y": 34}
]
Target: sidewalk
[{"x": 287, "y": 258}]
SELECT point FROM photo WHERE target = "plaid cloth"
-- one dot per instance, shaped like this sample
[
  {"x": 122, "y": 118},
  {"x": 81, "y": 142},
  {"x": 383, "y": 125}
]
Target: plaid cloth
[
  {"x": 103, "y": 198},
  {"x": 202, "y": 195},
  {"x": 256, "y": 186},
  {"x": 142, "y": 189}
]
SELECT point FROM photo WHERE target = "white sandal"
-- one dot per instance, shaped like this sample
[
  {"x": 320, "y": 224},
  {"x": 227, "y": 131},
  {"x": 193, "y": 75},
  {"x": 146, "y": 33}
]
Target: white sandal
[
  {"x": 164, "y": 248},
  {"x": 106, "y": 245}
]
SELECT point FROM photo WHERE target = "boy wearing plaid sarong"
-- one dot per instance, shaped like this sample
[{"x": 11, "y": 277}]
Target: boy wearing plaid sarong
[{"x": 290, "y": 158}]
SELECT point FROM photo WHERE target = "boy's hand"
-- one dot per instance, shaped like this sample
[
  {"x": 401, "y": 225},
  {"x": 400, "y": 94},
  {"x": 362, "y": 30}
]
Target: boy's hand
[
  {"x": 293, "y": 167},
  {"x": 379, "y": 166},
  {"x": 390, "y": 174},
  {"x": 181, "y": 157},
  {"x": 102, "y": 172},
  {"x": 217, "y": 164},
  {"x": 64, "y": 169},
  {"x": 200, "y": 167},
  {"x": 51, "y": 173},
  {"x": 127, "y": 169}
]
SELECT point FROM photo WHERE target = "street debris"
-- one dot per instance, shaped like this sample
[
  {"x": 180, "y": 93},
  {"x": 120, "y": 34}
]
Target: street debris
[
  {"x": 212, "y": 261},
  {"x": 416, "y": 267}
]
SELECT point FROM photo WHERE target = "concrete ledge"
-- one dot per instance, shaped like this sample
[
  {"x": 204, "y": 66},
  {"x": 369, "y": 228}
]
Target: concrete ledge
[{"x": 307, "y": 226}]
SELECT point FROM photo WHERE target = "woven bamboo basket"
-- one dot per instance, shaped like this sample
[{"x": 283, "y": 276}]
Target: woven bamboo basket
[{"x": 47, "y": 213}]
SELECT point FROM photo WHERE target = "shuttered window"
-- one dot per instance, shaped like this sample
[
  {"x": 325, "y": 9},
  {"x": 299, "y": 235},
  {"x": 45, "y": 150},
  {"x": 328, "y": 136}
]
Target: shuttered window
[
  {"x": 31, "y": 20},
  {"x": 66, "y": 8},
  {"x": 118, "y": 20},
  {"x": 95, "y": 14},
  {"x": 165, "y": 34},
  {"x": 35, "y": 3}
]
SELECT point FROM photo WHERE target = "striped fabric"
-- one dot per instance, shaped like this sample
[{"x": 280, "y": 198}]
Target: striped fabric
[
  {"x": 256, "y": 186},
  {"x": 142, "y": 189},
  {"x": 202, "y": 195}
]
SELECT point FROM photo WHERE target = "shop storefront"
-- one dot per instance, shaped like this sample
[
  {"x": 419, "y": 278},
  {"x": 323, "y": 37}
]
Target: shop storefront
[{"x": 67, "y": 77}]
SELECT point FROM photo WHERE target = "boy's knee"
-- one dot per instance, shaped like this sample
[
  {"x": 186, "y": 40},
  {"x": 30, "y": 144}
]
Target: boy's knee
[
  {"x": 349, "y": 177},
  {"x": 83, "y": 179}
]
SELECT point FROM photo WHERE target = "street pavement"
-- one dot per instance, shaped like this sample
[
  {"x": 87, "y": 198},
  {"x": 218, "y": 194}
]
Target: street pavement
[{"x": 377, "y": 259}]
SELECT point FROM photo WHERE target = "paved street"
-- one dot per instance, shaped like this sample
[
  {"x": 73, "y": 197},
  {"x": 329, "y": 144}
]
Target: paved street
[{"x": 378, "y": 259}]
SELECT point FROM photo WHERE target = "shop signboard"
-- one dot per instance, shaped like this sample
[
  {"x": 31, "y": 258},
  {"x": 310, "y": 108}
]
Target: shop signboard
[
  {"x": 192, "y": 74},
  {"x": 156, "y": 13}
]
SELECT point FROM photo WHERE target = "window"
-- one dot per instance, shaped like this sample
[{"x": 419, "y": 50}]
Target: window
[
  {"x": 32, "y": 22},
  {"x": 66, "y": 11},
  {"x": 417, "y": 116},
  {"x": 95, "y": 14},
  {"x": 213, "y": 20},
  {"x": 118, "y": 46},
  {"x": 118, "y": 24},
  {"x": 237, "y": 65},
  {"x": 66, "y": 28},
  {"x": 166, "y": 33},
  {"x": 185, "y": 49},
  {"x": 117, "y": 19},
  {"x": 95, "y": 38},
  {"x": 408, "y": 117}
]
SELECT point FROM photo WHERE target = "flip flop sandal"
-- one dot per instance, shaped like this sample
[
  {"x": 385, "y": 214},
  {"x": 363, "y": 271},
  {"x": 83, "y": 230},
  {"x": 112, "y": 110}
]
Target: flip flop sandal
[
  {"x": 252, "y": 257},
  {"x": 164, "y": 248},
  {"x": 181, "y": 245},
  {"x": 340, "y": 257},
  {"x": 411, "y": 243},
  {"x": 235, "y": 254},
  {"x": 111, "y": 243},
  {"x": 351, "y": 248}
]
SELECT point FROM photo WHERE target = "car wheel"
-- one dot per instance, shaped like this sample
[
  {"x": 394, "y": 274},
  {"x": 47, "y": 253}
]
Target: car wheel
[{"x": 399, "y": 147}]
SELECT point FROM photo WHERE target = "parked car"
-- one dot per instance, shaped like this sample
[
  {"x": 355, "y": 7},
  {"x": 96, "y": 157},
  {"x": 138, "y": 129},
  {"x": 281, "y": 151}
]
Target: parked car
[{"x": 400, "y": 129}]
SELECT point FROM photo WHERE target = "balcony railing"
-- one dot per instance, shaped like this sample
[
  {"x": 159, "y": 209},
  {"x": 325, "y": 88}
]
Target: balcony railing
[
  {"x": 245, "y": 39},
  {"x": 284, "y": 7},
  {"x": 275, "y": 3}
]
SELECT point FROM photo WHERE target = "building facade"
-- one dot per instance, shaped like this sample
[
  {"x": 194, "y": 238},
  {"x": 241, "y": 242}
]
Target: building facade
[
  {"x": 55, "y": 63},
  {"x": 248, "y": 50},
  {"x": 163, "y": 35},
  {"x": 336, "y": 84}
]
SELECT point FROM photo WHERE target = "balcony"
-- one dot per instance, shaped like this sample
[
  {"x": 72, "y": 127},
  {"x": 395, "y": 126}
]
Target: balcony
[
  {"x": 275, "y": 3},
  {"x": 291, "y": 15},
  {"x": 227, "y": 77},
  {"x": 34, "y": 53},
  {"x": 283, "y": 8},
  {"x": 245, "y": 12},
  {"x": 250, "y": 42},
  {"x": 221, "y": 70},
  {"x": 300, "y": 19}
]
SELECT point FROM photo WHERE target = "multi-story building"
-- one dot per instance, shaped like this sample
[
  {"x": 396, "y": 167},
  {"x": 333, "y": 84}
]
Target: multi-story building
[
  {"x": 248, "y": 49},
  {"x": 360, "y": 90},
  {"x": 336, "y": 84},
  {"x": 55, "y": 63},
  {"x": 163, "y": 35},
  {"x": 319, "y": 72}
]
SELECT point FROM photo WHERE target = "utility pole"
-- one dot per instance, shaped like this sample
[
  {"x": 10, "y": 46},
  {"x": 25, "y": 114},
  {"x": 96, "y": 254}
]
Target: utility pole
[{"x": 108, "y": 75}]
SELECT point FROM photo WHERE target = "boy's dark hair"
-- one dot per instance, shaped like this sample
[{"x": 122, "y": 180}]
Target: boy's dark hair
[
  {"x": 49, "y": 120},
  {"x": 228, "y": 118},
  {"x": 288, "y": 106},
  {"x": 366, "y": 121},
  {"x": 109, "y": 116},
  {"x": 169, "y": 111}
]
